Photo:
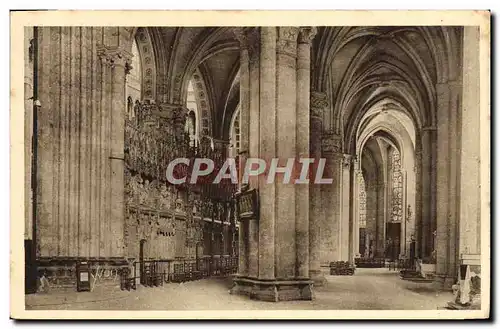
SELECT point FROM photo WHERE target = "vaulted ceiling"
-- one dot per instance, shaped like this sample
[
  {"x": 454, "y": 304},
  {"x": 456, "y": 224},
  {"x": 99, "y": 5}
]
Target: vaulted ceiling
[
  {"x": 181, "y": 51},
  {"x": 358, "y": 67}
]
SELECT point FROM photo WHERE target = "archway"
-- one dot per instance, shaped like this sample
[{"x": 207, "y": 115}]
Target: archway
[{"x": 385, "y": 183}]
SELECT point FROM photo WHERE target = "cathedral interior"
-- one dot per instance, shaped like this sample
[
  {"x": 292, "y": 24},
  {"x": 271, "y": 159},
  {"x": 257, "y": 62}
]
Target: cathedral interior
[{"x": 393, "y": 110}]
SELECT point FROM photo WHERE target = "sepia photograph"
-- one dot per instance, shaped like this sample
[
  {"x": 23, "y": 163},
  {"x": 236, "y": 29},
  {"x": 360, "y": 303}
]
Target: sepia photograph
[{"x": 263, "y": 165}]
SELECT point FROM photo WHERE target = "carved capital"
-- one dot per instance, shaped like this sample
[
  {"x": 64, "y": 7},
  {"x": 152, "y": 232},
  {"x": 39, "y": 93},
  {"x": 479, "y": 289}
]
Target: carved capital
[
  {"x": 347, "y": 161},
  {"x": 243, "y": 34},
  {"x": 307, "y": 34},
  {"x": 331, "y": 143},
  {"x": 249, "y": 38},
  {"x": 287, "y": 40},
  {"x": 319, "y": 102},
  {"x": 114, "y": 57}
]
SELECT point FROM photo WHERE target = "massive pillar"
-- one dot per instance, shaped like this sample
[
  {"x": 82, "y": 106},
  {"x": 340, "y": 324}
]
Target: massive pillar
[
  {"x": 418, "y": 200},
  {"x": 317, "y": 213},
  {"x": 331, "y": 206},
  {"x": 28, "y": 129},
  {"x": 448, "y": 95},
  {"x": 119, "y": 62},
  {"x": 428, "y": 196},
  {"x": 470, "y": 189},
  {"x": 304, "y": 223},
  {"x": 244, "y": 129},
  {"x": 278, "y": 237},
  {"x": 81, "y": 89},
  {"x": 471, "y": 142}
]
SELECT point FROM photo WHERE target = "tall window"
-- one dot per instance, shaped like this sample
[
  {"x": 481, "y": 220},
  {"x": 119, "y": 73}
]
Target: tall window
[
  {"x": 397, "y": 187},
  {"x": 191, "y": 123},
  {"x": 191, "y": 128},
  {"x": 134, "y": 78}
]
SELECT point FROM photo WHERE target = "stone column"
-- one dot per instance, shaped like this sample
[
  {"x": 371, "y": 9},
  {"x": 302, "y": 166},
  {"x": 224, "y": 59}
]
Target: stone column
[
  {"x": 418, "y": 204},
  {"x": 356, "y": 171},
  {"x": 316, "y": 213},
  {"x": 470, "y": 122},
  {"x": 254, "y": 140},
  {"x": 454, "y": 185},
  {"x": 275, "y": 271},
  {"x": 286, "y": 121},
  {"x": 119, "y": 58},
  {"x": 302, "y": 219},
  {"x": 28, "y": 130},
  {"x": 271, "y": 146},
  {"x": 331, "y": 195},
  {"x": 80, "y": 128},
  {"x": 244, "y": 129},
  {"x": 47, "y": 206},
  {"x": 448, "y": 96},
  {"x": 470, "y": 189},
  {"x": 346, "y": 228},
  {"x": 428, "y": 217}
]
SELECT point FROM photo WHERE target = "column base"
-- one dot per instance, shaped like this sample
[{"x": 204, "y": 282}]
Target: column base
[
  {"x": 318, "y": 278},
  {"x": 443, "y": 282},
  {"x": 273, "y": 290}
]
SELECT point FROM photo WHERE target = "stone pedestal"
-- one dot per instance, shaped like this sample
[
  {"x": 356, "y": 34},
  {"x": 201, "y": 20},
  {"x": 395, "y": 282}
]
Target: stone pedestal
[{"x": 273, "y": 290}]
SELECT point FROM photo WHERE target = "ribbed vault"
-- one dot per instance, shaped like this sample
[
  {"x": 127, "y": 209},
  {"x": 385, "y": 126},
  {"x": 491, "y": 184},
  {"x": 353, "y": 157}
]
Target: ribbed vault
[{"x": 359, "y": 67}]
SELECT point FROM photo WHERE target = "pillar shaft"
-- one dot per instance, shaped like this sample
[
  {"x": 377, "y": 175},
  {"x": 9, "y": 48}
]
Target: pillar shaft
[
  {"x": 302, "y": 220},
  {"x": 447, "y": 178},
  {"x": 356, "y": 171},
  {"x": 244, "y": 137},
  {"x": 418, "y": 204},
  {"x": 286, "y": 123},
  {"x": 28, "y": 130},
  {"x": 81, "y": 138},
  {"x": 470, "y": 197},
  {"x": 427, "y": 232},
  {"x": 278, "y": 247},
  {"x": 316, "y": 213},
  {"x": 331, "y": 242},
  {"x": 346, "y": 228},
  {"x": 253, "y": 141},
  {"x": 117, "y": 152},
  {"x": 267, "y": 151}
]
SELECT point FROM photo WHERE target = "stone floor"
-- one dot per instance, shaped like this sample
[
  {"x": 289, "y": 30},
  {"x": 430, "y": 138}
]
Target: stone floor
[{"x": 368, "y": 289}]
